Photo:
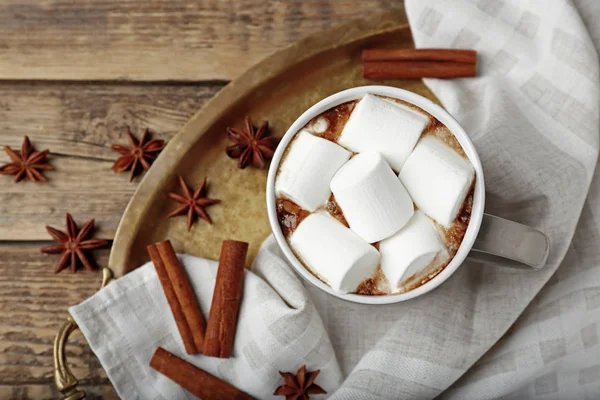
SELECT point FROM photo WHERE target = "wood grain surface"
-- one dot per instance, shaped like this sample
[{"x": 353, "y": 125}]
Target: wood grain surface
[
  {"x": 78, "y": 122},
  {"x": 148, "y": 39},
  {"x": 34, "y": 303},
  {"x": 73, "y": 75}
]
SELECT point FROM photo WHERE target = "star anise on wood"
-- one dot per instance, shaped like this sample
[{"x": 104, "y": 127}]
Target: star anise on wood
[
  {"x": 299, "y": 386},
  {"x": 251, "y": 145},
  {"x": 192, "y": 203},
  {"x": 73, "y": 244},
  {"x": 26, "y": 163},
  {"x": 139, "y": 156}
]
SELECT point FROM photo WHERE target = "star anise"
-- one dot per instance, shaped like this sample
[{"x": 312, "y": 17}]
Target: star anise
[
  {"x": 299, "y": 386},
  {"x": 26, "y": 163},
  {"x": 73, "y": 244},
  {"x": 192, "y": 203},
  {"x": 141, "y": 154},
  {"x": 250, "y": 145}
]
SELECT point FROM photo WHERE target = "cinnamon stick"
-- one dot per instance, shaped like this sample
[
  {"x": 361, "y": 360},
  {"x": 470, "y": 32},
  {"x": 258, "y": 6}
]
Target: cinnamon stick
[
  {"x": 417, "y": 69},
  {"x": 193, "y": 379},
  {"x": 448, "y": 55},
  {"x": 185, "y": 293},
  {"x": 222, "y": 320},
  {"x": 180, "y": 296}
]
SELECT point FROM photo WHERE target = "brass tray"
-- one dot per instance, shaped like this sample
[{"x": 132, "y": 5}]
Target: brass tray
[{"x": 278, "y": 89}]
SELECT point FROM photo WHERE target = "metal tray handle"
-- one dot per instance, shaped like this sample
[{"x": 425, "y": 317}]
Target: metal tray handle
[{"x": 65, "y": 381}]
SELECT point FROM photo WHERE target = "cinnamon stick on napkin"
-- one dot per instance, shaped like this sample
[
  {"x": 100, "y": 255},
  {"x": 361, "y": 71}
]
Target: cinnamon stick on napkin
[
  {"x": 222, "y": 320},
  {"x": 180, "y": 295},
  {"x": 419, "y": 63},
  {"x": 195, "y": 380}
]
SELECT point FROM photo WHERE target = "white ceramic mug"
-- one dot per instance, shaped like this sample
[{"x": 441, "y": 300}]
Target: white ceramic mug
[{"x": 487, "y": 235}]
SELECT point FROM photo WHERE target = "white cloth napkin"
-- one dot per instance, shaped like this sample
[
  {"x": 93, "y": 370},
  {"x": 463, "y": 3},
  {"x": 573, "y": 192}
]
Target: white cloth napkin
[
  {"x": 278, "y": 330},
  {"x": 488, "y": 332}
]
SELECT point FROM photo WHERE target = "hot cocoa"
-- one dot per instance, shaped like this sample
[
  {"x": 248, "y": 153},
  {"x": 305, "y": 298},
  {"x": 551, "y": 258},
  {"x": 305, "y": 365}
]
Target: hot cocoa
[{"x": 374, "y": 196}]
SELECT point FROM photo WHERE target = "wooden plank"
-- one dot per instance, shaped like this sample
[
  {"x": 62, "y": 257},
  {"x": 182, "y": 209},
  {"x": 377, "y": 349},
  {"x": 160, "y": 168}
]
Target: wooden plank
[
  {"x": 34, "y": 303},
  {"x": 78, "y": 122},
  {"x": 158, "y": 40}
]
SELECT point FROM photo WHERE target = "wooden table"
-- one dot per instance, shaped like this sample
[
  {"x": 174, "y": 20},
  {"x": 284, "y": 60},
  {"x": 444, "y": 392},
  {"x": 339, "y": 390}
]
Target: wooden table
[{"x": 73, "y": 76}]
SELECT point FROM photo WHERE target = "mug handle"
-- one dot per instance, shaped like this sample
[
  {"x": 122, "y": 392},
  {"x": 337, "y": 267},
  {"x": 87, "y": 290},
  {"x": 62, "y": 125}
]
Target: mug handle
[{"x": 515, "y": 245}]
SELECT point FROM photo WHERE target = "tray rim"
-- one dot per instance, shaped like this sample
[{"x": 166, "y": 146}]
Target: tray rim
[{"x": 267, "y": 69}]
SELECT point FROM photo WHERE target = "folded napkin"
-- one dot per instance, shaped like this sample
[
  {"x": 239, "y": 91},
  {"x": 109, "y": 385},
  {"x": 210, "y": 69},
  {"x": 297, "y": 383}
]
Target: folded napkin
[
  {"x": 278, "y": 330},
  {"x": 533, "y": 114}
]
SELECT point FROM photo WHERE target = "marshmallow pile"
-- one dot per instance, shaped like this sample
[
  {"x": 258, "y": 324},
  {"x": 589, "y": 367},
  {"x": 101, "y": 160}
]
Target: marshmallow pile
[{"x": 378, "y": 204}]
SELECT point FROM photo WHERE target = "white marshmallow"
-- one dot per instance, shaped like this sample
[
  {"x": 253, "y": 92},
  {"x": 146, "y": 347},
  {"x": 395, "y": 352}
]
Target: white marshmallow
[
  {"x": 410, "y": 250},
  {"x": 334, "y": 252},
  {"x": 307, "y": 169},
  {"x": 384, "y": 126},
  {"x": 319, "y": 125},
  {"x": 373, "y": 200},
  {"x": 437, "y": 178}
]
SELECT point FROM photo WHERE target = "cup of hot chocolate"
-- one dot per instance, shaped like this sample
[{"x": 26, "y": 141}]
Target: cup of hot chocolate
[{"x": 376, "y": 195}]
